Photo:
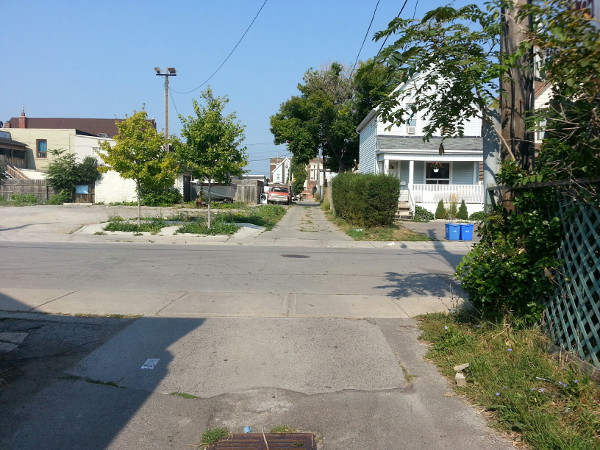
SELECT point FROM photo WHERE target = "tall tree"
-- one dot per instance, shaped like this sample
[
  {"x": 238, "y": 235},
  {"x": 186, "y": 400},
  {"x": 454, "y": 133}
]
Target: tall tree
[
  {"x": 324, "y": 117},
  {"x": 138, "y": 155},
  {"x": 212, "y": 143}
]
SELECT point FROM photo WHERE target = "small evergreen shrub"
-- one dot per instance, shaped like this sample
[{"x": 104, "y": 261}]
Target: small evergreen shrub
[
  {"x": 422, "y": 214},
  {"x": 452, "y": 211},
  {"x": 440, "y": 212},
  {"x": 462, "y": 214}
]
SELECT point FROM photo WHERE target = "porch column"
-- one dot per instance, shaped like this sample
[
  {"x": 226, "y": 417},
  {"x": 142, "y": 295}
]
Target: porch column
[
  {"x": 386, "y": 166},
  {"x": 411, "y": 172}
]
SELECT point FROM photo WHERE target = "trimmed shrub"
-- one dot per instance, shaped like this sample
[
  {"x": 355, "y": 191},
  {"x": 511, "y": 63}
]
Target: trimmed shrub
[
  {"x": 440, "y": 212},
  {"x": 462, "y": 214},
  {"x": 365, "y": 200}
]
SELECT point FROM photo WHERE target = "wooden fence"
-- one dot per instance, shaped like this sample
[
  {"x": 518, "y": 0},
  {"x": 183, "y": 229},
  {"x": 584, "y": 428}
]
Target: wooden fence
[{"x": 39, "y": 188}]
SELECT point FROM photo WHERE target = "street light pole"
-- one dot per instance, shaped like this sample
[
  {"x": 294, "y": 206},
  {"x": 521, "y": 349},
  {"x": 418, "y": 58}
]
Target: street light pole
[{"x": 169, "y": 72}]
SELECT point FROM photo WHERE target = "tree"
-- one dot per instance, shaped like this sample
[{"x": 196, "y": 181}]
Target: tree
[
  {"x": 323, "y": 119},
  {"x": 65, "y": 172},
  {"x": 138, "y": 155},
  {"x": 452, "y": 64},
  {"x": 299, "y": 174},
  {"x": 211, "y": 150}
]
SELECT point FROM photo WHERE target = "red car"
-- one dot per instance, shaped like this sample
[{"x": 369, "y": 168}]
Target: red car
[{"x": 279, "y": 194}]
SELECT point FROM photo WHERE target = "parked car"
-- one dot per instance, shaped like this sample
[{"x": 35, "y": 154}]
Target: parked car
[{"x": 279, "y": 194}]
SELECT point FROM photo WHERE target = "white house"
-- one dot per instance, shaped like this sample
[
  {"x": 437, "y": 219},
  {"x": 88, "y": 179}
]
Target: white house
[{"x": 426, "y": 173}]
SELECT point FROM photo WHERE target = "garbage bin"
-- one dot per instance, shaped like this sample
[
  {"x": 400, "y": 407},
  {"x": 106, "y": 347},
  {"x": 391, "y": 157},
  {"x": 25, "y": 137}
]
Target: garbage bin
[
  {"x": 452, "y": 231},
  {"x": 466, "y": 231}
]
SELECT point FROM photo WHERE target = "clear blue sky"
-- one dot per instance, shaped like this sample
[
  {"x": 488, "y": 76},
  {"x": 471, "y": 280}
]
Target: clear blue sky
[{"x": 73, "y": 58}]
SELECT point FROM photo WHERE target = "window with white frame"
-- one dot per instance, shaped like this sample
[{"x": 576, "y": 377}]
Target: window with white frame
[
  {"x": 437, "y": 173},
  {"x": 411, "y": 124}
]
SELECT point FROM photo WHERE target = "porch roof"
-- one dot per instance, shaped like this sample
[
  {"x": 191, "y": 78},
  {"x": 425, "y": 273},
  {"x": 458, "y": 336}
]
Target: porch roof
[{"x": 414, "y": 144}]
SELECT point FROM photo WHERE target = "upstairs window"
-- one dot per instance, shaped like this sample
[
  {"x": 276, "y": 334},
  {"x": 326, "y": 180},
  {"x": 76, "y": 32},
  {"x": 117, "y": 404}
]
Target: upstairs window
[
  {"x": 411, "y": 123},
  {"x": 41, "y": 146}
]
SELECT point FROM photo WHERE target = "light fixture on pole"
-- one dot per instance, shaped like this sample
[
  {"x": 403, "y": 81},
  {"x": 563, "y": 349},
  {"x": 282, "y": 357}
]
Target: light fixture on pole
[{"x": 169, "y": 72}]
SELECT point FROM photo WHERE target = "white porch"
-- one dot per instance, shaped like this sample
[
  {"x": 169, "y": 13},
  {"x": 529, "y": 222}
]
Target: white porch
[{"x": 427, "y": 179}]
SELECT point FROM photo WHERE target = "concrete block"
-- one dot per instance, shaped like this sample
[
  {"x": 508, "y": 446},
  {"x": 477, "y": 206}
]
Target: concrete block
[
  {"x": 461, "y": 367},
  {"x": 461, "y": 380}
]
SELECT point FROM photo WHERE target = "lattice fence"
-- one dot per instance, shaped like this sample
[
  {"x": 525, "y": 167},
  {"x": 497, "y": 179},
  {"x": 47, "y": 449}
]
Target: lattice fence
[{"x": 572, "y": 316}]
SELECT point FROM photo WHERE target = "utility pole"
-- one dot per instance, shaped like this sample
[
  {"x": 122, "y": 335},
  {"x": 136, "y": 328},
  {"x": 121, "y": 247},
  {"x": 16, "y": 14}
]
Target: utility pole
[
  {"x": 517, "y": 100},
  {"x": 169, "y": 72}
]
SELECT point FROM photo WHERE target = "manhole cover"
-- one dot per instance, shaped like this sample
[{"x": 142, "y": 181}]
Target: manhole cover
[
  {"x": 295, "y": 256},
  {"x": 256, "y": 441}
]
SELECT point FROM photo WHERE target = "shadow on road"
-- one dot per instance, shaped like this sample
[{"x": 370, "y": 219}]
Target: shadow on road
[{"x": 65, "y": 387}]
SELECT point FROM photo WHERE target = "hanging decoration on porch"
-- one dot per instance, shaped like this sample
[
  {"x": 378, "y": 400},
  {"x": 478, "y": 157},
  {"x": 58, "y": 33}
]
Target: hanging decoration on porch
[{"x": 436, "y": 166}]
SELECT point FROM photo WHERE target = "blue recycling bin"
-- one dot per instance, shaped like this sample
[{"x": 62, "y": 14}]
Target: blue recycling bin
[
  {"x": 452, "y": 231},
  {"x": 466, "y": 231}
]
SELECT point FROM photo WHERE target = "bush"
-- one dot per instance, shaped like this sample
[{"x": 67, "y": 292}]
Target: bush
[
  {"x": 463, "y": 213},
  {"x": 478, "y": 215},
  {"x": 365, "y": 200},
  {"x": 22, "y": 200},
  {"x": 422, "y": 214},
  {"x": 161, "y": 197},
  {"x": 60, "y": 198},
  {"x": 452, "y": 211},
  {"x": 440, "y": 212}
]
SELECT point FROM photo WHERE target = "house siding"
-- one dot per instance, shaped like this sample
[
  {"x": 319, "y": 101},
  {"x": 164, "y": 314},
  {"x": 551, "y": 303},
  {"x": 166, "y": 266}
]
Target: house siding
[
  {"x": 462, "y": 172},
  {"x": 367, "y": 148},
  {"x": 404, "y": 170},
  {"x": 419, "y": 172}
]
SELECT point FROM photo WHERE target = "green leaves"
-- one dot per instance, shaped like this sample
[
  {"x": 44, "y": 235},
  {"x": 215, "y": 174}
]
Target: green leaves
[{"x": 211, "y": 147}]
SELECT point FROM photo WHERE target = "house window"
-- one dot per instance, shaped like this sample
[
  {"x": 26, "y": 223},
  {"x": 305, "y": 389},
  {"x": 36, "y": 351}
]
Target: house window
[
  {"x": 437, "y": 175},
  {"x": 411, "y": 123},
  {"x": 41, "y": 146}
]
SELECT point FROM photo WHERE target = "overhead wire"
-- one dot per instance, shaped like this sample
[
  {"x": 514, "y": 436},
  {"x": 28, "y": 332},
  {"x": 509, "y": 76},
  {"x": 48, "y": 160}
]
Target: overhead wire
[
  {"x": 365, "y": 38},
  {"x": 230, "y": 53},
  {"x": 399, "y": 14}
]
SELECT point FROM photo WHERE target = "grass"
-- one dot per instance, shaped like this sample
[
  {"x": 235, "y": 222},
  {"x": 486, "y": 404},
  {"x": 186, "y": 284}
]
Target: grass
[
  {"x": 183, "y": 395},
  {"x": 389, "y": 233},
  {"x": 284, "y": 429},
  {"x": 212, "y": 435},
  {"x": 153, "y": 226},
  {"x": 546, "y": 401},
  {"x": 20, "y": 200}
]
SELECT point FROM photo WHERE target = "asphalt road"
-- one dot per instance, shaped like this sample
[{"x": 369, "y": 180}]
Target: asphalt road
[{"x": 316, "y": 337}]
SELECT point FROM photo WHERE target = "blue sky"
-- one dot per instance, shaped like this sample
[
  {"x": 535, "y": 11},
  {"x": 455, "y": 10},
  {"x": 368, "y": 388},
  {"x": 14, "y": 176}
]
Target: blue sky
[{"x": 73, "y": 58}]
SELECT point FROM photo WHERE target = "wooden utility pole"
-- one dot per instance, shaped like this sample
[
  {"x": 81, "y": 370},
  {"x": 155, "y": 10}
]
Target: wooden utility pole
[{"x": 517, "y": 100}]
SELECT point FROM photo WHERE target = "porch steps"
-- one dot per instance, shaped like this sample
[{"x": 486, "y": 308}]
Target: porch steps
[{"x": 403, "y": 211}]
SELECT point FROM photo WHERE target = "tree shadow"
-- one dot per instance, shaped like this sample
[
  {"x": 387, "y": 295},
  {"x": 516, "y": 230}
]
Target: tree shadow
[{"x": 421, "y": 285}]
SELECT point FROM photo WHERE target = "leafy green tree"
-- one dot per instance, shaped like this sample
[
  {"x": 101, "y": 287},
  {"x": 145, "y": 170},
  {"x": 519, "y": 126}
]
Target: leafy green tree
[
  {"x": 65, "y": 172},
  {"x": 139, "y": 155},
  {"x": 299, "y": 174},
  {"x": 212, "y": 148},
  {"x": 324, "y": 117}
]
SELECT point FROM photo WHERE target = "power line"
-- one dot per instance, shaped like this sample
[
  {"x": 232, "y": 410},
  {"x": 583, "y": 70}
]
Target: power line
[
  {"x": 230, "y": 53},
  {"x": 399, "y": 14},
  {"x": 365, "y": 38}
]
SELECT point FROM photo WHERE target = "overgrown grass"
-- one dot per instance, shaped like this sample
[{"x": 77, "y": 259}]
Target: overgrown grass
[
  {"x": 217, "y": 227},
  {"x": 153, "y": 226},
  {"x": 544, "y": 400},
  {"x": 20, "y": 200},
  {"x": 213, "y": 435},
  {"x": 389, "y": 233}
]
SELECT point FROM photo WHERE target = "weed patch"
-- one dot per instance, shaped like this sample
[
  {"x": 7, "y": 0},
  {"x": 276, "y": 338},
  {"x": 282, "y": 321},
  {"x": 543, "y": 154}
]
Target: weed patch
[
  {"x": 213, "y": 435},
  {"x": 547, "y": 402},
  {"x": 387, "y": 233}
]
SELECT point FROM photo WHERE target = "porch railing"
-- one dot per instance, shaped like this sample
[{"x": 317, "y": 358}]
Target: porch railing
[{"x": 433, "y": 193}]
